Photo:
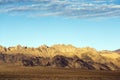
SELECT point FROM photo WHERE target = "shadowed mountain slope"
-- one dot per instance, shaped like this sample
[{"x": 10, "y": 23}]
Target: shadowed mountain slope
[{"x": 117, "y": 51}]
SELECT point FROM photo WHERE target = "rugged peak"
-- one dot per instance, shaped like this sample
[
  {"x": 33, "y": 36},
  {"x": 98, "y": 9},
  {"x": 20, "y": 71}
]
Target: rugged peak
[{"x": 44, "y": 46}]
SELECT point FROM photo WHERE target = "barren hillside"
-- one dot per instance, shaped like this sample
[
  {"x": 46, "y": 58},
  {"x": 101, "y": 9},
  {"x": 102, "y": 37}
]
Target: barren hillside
[{"x": 61, "y": 55}]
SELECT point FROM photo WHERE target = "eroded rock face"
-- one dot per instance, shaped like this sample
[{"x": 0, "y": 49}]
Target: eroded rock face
[
  {"x": 100, "y": 66},
  {"x": 59, "y": 61},
  {"x": 79, "y": 63},
  {"x": 27, "y": 62},
  {"x": 65, "y": 56}
]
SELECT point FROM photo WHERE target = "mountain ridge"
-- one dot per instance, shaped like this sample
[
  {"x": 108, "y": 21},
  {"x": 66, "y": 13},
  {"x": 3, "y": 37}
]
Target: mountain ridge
[
  {"x": 61, "y": 55},
  {"x": 117, "y": 51}
]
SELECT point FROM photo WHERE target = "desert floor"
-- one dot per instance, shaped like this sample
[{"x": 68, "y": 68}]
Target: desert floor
[{"x": 10, "y": 72}]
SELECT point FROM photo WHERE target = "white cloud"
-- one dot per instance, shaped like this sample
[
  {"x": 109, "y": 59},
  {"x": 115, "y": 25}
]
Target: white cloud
[{"x": 68, "y": 8}]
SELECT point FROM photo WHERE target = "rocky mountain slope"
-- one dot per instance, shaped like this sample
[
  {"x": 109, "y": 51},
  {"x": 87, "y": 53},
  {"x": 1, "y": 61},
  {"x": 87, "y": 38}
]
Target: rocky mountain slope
[
  {"x": 61, "y": 56},
  {"x": 117, "y": 51}
]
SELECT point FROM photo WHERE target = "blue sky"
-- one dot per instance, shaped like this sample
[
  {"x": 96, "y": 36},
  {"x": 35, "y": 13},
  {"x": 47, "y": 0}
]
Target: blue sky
[{"x": 82, "y": 23}]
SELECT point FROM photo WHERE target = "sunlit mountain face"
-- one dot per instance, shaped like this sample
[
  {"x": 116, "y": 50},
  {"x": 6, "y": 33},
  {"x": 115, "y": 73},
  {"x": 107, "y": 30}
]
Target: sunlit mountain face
[
  {"x": 61, "y": 56},
  {"x": 68, "y": 8}
]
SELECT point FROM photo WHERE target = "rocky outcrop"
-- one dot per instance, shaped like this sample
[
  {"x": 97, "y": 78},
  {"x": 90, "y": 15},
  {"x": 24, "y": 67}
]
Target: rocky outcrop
[
  {"x": 59, "y": 61},
  {"x": 61, "y": 56}
]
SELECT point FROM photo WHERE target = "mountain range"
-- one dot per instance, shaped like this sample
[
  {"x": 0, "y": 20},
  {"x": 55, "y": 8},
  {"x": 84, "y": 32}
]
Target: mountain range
[
  {"x": 61, "y": 56},
  {"x": 117, "y": 51}
]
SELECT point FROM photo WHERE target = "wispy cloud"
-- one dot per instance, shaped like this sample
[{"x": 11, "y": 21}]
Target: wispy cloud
[{"x": 68, "y": 8}]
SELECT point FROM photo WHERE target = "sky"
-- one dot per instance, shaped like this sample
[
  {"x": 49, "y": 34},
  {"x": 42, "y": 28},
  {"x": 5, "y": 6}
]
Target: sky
[{"x": 82, "y": 23}]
